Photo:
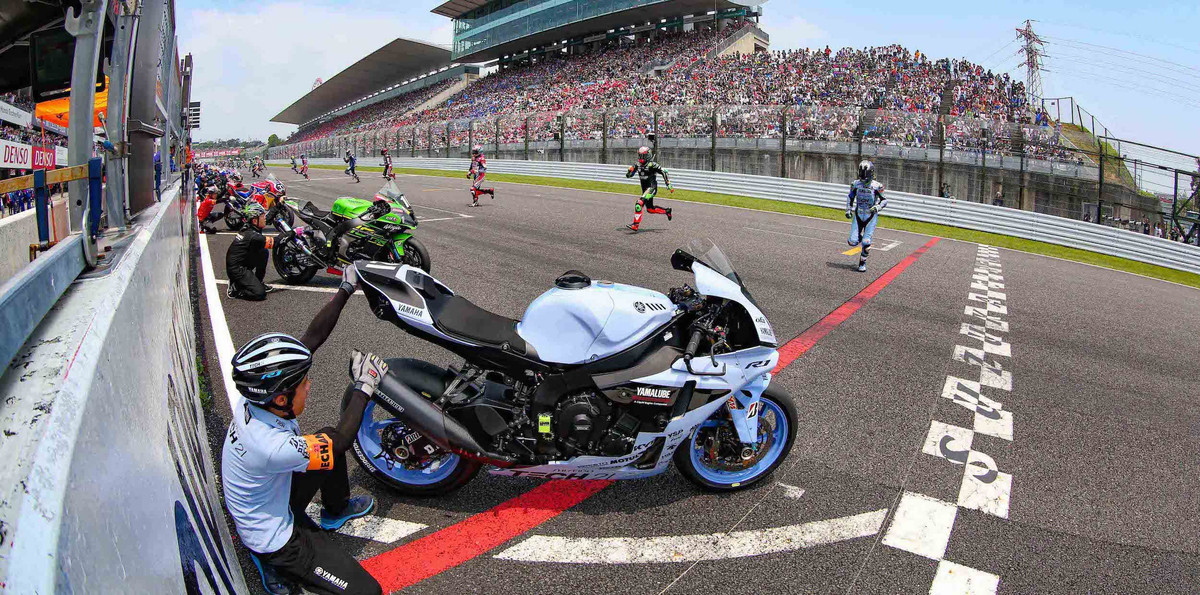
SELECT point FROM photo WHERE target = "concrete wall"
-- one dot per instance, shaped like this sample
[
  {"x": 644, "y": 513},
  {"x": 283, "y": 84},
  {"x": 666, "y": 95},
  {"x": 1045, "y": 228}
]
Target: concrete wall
[
  {"x": 20, "y": 230},
  {"x": 108, "y": 485}
]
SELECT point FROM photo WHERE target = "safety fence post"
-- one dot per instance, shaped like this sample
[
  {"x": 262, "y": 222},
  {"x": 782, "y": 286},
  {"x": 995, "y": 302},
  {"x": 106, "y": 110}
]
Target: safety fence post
[
  {"x": 983, "y": 137},
  {"x": 412, "y": 146},
  {"x": 562, "y": 136},
  {"x": 941, "y": 166},
  {"x": 604, "y": 136},
  {"x": 42, "y": 203},
  {"x": 712, "y": 152},
  {"x": 526, "y": 132},
  {"x": 655, "y": 124},
  {"x": 1100, "y": 184},
  {"x": 470, "y": 136},
  {"x": 447, "y": 141},
  {"x": 497, "y": 152},
  {"x": 783, "y": 143},
  {"x": 429, "y": 140}
]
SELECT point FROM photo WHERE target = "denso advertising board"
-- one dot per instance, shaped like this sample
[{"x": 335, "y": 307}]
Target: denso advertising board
[{"x": 16, "y": 155}]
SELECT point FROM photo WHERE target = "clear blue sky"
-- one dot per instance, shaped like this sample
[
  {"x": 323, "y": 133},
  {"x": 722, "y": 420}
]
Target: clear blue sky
[{"x": 252, "y": 60}]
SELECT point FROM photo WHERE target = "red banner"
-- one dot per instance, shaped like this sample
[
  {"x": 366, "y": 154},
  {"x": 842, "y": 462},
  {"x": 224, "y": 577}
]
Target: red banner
[
  {"x": 223, "y": 153},
  {"x": 43, "y": 158}
]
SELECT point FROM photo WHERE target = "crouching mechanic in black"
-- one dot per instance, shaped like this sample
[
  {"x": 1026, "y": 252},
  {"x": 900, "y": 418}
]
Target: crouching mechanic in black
[
  {"x": 246, "y": 260},
  {"x": 270, "y": 471}
]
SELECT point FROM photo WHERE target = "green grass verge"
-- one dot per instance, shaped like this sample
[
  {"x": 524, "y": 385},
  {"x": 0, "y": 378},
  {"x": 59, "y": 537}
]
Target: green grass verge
[
  {"x": 760, "y": 204},
  {"x": 206, "y": 396}
]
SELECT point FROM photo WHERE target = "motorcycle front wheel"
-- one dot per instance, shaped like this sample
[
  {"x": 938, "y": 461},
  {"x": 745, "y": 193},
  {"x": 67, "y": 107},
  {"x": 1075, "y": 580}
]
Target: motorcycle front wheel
[
  {"x": 287, "y": 257},
  {"x": 711, "y": 459},
  {"x": 415, "y": 255}
]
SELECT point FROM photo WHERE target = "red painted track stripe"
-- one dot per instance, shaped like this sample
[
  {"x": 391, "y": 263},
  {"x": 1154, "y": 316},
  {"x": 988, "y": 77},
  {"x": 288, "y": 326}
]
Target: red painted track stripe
[
  {"x": 437, "y": 552},
  {"x": 801, "y": 344},
  {"x": 416, "y": 561}
]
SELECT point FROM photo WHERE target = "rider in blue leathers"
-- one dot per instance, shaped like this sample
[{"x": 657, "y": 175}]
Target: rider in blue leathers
[{"x": 863, "y": 204}]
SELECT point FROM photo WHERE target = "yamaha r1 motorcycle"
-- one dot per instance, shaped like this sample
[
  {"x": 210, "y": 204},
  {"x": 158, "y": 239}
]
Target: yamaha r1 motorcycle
[
  {"x": 355, "y": 229},
  {"x": 598, "y": 380}
]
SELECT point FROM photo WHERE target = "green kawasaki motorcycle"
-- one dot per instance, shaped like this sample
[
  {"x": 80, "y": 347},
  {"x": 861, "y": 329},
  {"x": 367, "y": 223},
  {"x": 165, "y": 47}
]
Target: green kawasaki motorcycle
[{"x": 356, "y": 229}]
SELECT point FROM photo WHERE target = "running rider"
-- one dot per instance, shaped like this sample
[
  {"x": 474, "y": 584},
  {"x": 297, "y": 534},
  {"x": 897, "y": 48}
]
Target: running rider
[
  {"x": 294, "y": 165},
  {"x": 387, "y": 165},
  {"x": 304, "y": 165},
  {"x": 270, "y": 472},
  {"x": 350, "y": 171},
  {"x": 648, "y": 171},
  {"x": 477, "y": 172},
  {"x": 863, "y": 204}
]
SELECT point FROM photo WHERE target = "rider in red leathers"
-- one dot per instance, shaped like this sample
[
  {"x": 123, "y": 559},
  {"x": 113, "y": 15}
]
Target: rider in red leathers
[
  {"x": 387, "y": 165},
  {"x": 478, "y": 172}
]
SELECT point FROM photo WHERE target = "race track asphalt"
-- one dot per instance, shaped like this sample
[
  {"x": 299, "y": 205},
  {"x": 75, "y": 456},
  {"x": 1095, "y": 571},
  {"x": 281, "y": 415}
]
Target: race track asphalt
[{"x": 1102, "y": 397}]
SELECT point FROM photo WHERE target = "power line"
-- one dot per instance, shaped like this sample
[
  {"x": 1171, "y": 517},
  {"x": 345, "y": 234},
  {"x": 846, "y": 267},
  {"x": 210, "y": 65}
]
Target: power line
[
  {"x": 1124, "y": 84},
  {"x": 1140, "y": 73},
  {"x": 1152, "y": 59}
]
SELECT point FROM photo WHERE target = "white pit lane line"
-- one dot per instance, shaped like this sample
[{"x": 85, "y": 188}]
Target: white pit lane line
[{"x": 694, "y": 548}]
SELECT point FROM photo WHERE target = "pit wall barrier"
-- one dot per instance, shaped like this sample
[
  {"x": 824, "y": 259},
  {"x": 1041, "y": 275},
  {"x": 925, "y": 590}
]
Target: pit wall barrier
[
  {"x": 19, "y": 230},
  {"x": 916, "y": 207},
  {"x": 108, "y": 485}
]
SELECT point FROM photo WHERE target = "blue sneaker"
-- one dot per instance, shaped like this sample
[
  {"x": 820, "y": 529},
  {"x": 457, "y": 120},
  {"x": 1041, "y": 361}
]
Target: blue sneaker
[
  {"x": 357, "y": 506},
  {"x": 272, "y": 582}
]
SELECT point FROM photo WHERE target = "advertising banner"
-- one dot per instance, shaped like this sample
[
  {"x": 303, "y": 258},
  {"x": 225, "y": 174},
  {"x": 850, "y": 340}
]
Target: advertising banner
[
  {"x": 52, "y": 127},
  {"x": 16, "y": 116},
  {"x": 43, "y": 157},
  {"x": 15, "y": 155},
  {"x": 60, "y": 156},
  {"x": 221, "y": 153}
]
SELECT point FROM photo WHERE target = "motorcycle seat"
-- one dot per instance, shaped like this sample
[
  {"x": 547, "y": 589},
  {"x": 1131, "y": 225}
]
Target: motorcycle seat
[
  {"x": 458, "y": 316},
  {"x": 312, "y": 211}
]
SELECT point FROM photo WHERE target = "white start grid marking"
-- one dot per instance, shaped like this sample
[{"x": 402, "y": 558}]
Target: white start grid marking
[{"x": 921, "y": 525}]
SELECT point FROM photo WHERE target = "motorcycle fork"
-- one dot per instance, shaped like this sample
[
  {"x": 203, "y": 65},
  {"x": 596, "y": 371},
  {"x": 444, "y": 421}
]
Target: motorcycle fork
[{"x": 398, "y": 245}]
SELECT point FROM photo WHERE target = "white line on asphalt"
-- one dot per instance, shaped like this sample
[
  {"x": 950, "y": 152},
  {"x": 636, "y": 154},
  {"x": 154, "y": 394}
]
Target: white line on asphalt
[
  {"x": 290, "y": 288},
  {"x": 921, "y": 525},
  {"x": 794, "y": 235},
  {"x": 220, "y": 328},
  {"x": 890, "y": 246},
  {"x": 375, "y": 528},
  {"x": 316, "y": 180},
  {"x": 693, "y": 548},
  {"x": 956, "y": 579},
  {"x": 790, "y": 491}
]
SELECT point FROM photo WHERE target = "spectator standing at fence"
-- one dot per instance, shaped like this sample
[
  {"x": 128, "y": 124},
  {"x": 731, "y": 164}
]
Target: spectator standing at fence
[{"x": 157, "y": 174}]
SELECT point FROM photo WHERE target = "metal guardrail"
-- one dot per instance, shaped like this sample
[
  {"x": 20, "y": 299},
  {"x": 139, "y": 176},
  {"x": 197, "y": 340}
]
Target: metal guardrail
[
  {"x": 27, "y": 297},
  {"x": 916, "y": 207}
]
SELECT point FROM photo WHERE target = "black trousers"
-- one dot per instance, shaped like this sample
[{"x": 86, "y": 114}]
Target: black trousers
[
  {"x": 310, "y": 557},
  {"x": 247, "y": 278}
]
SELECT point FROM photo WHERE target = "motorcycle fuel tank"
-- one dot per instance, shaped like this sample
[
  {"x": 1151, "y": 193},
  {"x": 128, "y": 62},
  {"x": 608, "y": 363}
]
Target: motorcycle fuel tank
[{"x": 572, "y": 326}]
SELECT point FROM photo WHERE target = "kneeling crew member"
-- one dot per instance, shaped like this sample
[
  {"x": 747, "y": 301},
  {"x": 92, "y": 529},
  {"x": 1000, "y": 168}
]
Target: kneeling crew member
[
  {"x": 246, "y": 260},
  {"x": 270, "y": 471}
]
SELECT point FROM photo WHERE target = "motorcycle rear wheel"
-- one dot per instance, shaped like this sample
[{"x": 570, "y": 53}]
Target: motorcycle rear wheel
[
  {"x": 284, "y": 256},
  {"x": 690, "y": 458},
  {"x": 454, "y": 471}
]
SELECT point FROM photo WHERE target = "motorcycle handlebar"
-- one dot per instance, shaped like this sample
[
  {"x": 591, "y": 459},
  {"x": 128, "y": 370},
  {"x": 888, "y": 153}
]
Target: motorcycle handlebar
[{"x": 693, "y": 345}]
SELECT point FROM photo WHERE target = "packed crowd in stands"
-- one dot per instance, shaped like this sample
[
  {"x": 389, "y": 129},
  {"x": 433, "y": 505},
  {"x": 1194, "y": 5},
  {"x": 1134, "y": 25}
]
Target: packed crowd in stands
[
  {"x": 384, "y": 114},
  {"x": 17, "y": 101},
  {"x": 825, "y": 91},
  {"x": 28, "y": 136}
]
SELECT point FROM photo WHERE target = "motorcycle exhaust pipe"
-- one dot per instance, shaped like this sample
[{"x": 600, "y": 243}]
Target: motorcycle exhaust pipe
[{"x": 429, "y": 419}]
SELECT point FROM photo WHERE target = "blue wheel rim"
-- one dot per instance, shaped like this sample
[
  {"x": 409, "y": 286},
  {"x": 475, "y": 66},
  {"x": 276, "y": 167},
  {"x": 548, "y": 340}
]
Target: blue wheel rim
[
  {"x": 369, "y": 433},
  {"x": 779, "y": 441}
]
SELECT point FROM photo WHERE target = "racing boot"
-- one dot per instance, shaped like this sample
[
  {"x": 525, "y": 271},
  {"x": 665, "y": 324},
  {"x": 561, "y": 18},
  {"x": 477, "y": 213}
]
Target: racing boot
[
  {"x": 355, "y": 507},
  {"x": 862, "y": 258},
  {"x": 668, "y": 213},
  {"x": 632, "y": 227},
  {"x": 272, "y": 582}
]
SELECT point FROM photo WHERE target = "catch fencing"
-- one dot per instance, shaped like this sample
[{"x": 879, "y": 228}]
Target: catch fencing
[
  {"x": 1056, "y": 168},
  {"x": 917, "y": 207}
]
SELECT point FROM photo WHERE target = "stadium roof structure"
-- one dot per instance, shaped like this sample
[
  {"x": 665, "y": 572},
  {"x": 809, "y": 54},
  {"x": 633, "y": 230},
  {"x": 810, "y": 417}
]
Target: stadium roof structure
[
  {"x": 394, "y": 63},
  {"x": 636, "y": 13}
]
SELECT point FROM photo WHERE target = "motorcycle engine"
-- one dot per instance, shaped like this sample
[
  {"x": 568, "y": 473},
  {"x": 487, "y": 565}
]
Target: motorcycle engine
[
  {"x": 580, "y": 422},
  {"x": 587, "y": 423}
]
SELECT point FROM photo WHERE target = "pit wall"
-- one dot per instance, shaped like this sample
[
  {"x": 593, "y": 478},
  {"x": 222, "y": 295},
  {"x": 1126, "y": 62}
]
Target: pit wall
[
  {"x": 18, "y": 231},
  {"x": 109, "y": 485}
]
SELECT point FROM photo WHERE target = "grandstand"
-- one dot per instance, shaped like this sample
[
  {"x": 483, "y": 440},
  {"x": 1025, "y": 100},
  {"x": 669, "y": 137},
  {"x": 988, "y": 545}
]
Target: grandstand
[{"x": 586, "y": 81}]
